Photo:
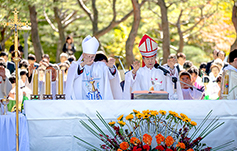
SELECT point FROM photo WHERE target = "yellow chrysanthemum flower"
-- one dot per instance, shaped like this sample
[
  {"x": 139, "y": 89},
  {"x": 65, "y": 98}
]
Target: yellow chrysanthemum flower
[
  {"x": 183, "y": 115},
  {"x": 179, "y": 117},
  {"x": 139, "y": 115},
  {"x": 186, "y": 119},
  {"x": 146, "y": 111},
  {"x": 171, "y": 112},
  {"x": 135, "y": 111},
  {"x": 120, "y": 117},
  {"x": 175, "y": 114},
  {"x": 154, "y": 113},
  {"x": 122, "y": 123},
  {"x": 129, "y": 117},
  {"x": 111, "y": 123},
  {"x": 162, "y": 112},
  {"x": 193, "y": 123},
  {"x": 146, "y": 116}
]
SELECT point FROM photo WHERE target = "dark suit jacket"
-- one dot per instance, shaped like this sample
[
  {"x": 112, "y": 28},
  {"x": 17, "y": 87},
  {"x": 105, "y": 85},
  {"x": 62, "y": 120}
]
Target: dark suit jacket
[
  {"x": 208, "y": 67},
  {"x": 11, "y": 66}
]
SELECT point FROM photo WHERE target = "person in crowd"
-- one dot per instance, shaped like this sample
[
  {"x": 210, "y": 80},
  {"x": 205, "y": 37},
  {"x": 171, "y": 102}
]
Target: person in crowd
[
  {"x": 32, "y": 61},
  {"x": 215, "y": 52},
  {"x": 69, "y": 47},
  {"x": 64, "y": 66},
  {"x": 0, "y": 48},
  {"x": 71, "y": 58},
  {"x": 220, "y": 64},
  {"x": 63, "y": 57},
  {"x": 202, "y": 69},
  {"x": 2, "y": 63},
  {"x": 88, "y": 79},
  {"x": 221, "y": 55},
  {"x": 214, "y": 74},
  {"x": 147, "y": 77},
  {"x": 189, "y": 93},
  {"x": 20, "y": 48},
  {"x": 195, "y": 79},
  {"x": 173, "y": 69},
  {"x": 181, "y": 58},
  {"x": 187, "y": 64},
  {"x": 4, "y": 55},
  {"x": 5, "y": 84}
]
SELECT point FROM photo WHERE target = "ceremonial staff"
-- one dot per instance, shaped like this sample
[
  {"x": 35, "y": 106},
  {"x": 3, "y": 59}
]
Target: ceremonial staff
[{"x": 15, "y": 25}]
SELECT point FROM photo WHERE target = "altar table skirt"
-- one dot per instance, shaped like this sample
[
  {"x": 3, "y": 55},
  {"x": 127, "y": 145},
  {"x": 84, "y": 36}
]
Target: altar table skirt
[{"x": 8, "y": 133}]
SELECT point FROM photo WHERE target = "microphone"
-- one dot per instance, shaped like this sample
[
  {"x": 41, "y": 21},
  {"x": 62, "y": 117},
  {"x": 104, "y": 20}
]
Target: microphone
[
  {"x": 157, "y": 66},
  {"x": 118, "y": 57}
]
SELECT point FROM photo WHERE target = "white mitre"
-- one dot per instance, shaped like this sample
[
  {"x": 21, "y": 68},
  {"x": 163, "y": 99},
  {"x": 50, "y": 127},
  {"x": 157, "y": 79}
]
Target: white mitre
[{"x": 89, "y": 46}]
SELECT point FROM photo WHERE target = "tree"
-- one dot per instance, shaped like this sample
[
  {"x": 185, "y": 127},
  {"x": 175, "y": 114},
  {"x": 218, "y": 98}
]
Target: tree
[
  {"x": 63, "y": 19},
  {"x": 34, "y": 33},
  {"x": 234, "y": 20},
  {"x": 133, "y": 32},
  {"x": 95, "y": 15}
]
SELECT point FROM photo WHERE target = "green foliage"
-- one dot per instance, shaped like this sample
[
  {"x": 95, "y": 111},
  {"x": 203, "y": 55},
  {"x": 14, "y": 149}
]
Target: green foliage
[{"x": 195, "y": 55}]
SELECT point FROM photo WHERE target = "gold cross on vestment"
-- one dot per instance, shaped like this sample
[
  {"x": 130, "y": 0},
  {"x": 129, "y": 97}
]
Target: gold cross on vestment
[{"x": 15, "y": 25}]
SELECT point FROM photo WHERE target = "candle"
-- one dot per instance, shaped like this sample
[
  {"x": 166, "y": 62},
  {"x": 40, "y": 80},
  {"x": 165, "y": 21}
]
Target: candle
[
  {"x": 60, "y": 82},
  {"x": 48, "y": 83},
  {"x": 35, "y": 83}
]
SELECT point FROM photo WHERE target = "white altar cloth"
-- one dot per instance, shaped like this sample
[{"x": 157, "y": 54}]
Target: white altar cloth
[{"x": 52, "y": 124}]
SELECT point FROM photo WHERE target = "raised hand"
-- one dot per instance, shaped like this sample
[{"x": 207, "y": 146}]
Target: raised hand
[
  {"x": 136, "y": 66},
  {"x": 111, "y": 62},
  {"x": 88, "y": 59},
  {"x": 31, "y": 68}
]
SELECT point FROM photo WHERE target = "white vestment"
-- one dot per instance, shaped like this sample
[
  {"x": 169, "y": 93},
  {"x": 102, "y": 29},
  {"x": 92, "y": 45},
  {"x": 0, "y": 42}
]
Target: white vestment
[
  {"x": 94, "y": 83},
  {"x": 194, "y": 94},
  {"x": 144, "y": 79},
  {"x": 232, "y": 82},
  {"x": 5, "y": 87}
]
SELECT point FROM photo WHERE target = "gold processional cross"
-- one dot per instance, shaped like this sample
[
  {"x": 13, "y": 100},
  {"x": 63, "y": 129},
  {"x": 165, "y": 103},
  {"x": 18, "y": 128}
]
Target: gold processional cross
[{"x": 16, "y": 25}]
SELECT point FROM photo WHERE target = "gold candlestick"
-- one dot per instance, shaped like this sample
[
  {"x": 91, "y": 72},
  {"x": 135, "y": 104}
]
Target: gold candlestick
[
  {"x": 48, "y": 82},
  {"x": 35, "y": 83},
  {"x": 60, "y": 82}
]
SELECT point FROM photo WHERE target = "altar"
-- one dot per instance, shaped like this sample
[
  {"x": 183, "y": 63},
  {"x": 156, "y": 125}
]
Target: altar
[{"x": 53, "y": 123}]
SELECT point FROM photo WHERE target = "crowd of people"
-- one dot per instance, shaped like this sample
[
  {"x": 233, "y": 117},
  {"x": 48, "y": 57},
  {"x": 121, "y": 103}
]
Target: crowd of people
[{"x": 94, "y": 76}]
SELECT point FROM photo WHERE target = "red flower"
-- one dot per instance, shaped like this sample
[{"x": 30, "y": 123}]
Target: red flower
[
  {"x": 147, "y": 139},
  {"x": 136, "y": 149},
  {"x": 168, "y": 149},
  {"x": 147, "y": 147},
  {"x": 124, "y": 145},
  {"x": 160, "y": 148}
]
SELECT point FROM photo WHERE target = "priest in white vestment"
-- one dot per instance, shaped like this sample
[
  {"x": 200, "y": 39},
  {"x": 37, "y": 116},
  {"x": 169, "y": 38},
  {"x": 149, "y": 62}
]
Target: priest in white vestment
[
  {"x": 232, "y": 67},
  {"x": 189, "y": 93},
  {"x": 5, "y": 84},
  {"x": 147, "y": 77},
  {"x": 89, "y": 80}
]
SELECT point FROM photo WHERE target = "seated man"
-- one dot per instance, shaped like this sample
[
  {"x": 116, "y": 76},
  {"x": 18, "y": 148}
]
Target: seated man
[
  {"x": 147, "y": 77},
  {"x": 87, "y": 79},
  {"x": 189, "y": 93}
]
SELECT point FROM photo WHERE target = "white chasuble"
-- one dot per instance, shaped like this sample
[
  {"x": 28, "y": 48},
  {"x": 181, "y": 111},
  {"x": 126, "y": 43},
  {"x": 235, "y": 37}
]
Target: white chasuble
[
  {"x": 92, "y": 84},
  {"x": 144, "y": 79}
]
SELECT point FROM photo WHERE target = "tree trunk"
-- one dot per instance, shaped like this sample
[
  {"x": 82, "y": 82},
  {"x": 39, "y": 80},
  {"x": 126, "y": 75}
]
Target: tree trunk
[
  {"x": 60, "y": 31},
  {"x": 34, "y": 33},
  {"x": 181, "y": 40},
  {"x": 133, "y": 33},
  {"x": 234, "y": 20},
  {"x": 165, "y": 28}
]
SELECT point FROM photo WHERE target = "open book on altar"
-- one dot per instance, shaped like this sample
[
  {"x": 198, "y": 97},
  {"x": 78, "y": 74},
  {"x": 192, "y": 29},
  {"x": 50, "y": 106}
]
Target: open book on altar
[{"x": 156, "y": 95}]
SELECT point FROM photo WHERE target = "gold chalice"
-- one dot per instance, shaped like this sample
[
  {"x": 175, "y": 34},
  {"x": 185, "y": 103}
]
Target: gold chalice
[{"x": 5, "y": 102}]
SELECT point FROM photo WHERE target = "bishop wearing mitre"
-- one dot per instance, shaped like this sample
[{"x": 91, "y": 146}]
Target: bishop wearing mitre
[
  {"x": 89, "y": 80},
  {"x": 147, "y": 77}
]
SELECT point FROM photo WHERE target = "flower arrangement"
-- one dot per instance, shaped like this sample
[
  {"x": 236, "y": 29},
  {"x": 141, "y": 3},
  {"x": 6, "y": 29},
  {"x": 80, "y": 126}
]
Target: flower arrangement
[{"x": 151, "y": 130}]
